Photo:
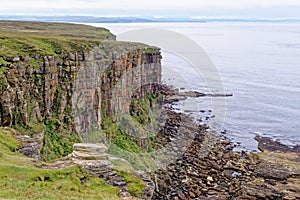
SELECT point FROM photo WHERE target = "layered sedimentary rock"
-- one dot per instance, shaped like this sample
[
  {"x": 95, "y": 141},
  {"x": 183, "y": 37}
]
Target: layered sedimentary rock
[
  {"x": 107, "y": 79},
  {"x": 73, "y": 86},
  {"x": 96, "y": 161}
]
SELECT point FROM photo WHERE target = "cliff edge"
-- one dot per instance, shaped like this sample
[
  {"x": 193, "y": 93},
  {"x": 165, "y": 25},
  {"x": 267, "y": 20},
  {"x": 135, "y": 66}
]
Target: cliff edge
[{"x": 57, "y": 80}]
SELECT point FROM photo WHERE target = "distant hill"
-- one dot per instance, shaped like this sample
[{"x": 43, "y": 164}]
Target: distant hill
[{"x": 91, "y": 19}]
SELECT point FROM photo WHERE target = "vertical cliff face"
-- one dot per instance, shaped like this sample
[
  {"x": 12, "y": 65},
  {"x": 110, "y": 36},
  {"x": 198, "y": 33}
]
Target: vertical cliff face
[
  {"x": 33, "y": 94},
  {"x": 104, "y": 80},
  {"x": 132, "y": 75},
  {"x": 76, "y": 89}
]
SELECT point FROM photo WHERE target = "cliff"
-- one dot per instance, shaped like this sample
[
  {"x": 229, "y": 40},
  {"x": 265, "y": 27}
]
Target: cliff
[{"x": 59, "y": 81}]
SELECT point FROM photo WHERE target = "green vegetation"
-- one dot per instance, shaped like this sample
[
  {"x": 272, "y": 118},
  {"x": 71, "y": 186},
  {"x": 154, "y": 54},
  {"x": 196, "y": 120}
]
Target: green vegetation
[
  {"x": 37, "y": 45},
  {"x": 57, "y": 143},
  {"x": 136, "y": 187},
  {"x": 2, "y": 80},
  {"x": 142, "y": 116},
  {"x": 3, "y": 62},
  {"x": 130, "y": 136},
  {"x": 36, "y": 127},
  {"x": 116, "y": 136},
  {"x": 141, "y": 109},
  {"x": 7, "y": 141},
  {"x": 20, "y": 179},
  {"x": 57, "y": 29},
  {"x": 139, "y": 161},
  {"x": 36, "y": 39},
  {"x": 150, "y": 49},
  {"x": 31, "y": 129},
  {"x": 125, "y": 142}
]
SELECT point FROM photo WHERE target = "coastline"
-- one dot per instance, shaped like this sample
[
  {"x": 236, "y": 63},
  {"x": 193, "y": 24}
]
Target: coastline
[
  {"x": 183, "y": 160},
  {"x": 223, "y": 173}
]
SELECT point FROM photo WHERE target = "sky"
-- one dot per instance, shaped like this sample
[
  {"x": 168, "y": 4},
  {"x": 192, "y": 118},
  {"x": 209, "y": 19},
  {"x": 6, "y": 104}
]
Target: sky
[{"x": 158, "y": 8}]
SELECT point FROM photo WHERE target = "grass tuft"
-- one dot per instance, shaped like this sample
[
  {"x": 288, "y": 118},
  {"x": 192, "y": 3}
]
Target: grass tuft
[{"x": 136, "y": 187}]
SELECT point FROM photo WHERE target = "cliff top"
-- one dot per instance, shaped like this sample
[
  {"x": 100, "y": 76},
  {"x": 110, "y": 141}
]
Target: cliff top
[
  {"x": 20, "y": 38},
  {"x": 55, "y": 29}
]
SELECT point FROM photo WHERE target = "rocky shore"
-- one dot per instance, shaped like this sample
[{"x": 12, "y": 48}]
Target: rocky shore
[
  {"x": 211, "y": 169},
  {"x": 225, "y": 174}
]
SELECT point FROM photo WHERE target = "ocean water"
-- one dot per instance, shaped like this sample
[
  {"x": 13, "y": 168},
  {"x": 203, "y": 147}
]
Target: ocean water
[{"x": 258, "y": 62}]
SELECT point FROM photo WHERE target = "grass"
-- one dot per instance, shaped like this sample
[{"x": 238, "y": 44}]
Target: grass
[
  {"x": 57, "y": 144},
  {"x": 58, "y": 29},
  {"x": 40, "y": 38},
  {"x": 136, "y": 187},
  {"x": 119, "y": 138},
  {"x": 3, "y": 62},
  {"x": 126, "y": 134},
  {"x": 143, "y": 105},
  {"x": 20, "y": 179},
  {"x": 7, "y": 142},
  {"x": 150, "y": 49},
  {"x": 143, "y": 110},
  {"x": 139, "y": 161},
  {"x": 31, "y": 129},
  {"x": 13, "y": 44}
]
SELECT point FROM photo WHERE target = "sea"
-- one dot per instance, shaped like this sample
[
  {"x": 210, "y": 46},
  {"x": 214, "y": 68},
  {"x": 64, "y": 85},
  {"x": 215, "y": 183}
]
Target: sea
[{"x": 259, "y": 63}]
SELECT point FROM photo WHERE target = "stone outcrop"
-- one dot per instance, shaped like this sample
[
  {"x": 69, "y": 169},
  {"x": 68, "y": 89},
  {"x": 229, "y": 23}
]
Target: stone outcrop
[
  {"x": 96, "y": 161},
  {"x": 30, "y": 147}
]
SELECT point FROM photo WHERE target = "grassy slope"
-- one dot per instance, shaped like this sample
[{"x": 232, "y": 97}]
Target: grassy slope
[
  {"x": 21, "y": 179},
  {"x": 58, "y": 29},
  {"x": 39, "y": 38},
  {"x": 25, "y": 38}
]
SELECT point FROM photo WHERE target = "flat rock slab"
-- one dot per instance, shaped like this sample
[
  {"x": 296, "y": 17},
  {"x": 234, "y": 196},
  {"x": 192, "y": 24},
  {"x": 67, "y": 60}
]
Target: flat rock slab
[
  {"x": 88, "y": 147},
  {"x": 89, "y": 155}
]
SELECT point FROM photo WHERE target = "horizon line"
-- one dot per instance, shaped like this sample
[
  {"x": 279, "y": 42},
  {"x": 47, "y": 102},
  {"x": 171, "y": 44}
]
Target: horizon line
[{"x": 160, "y": 18}]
